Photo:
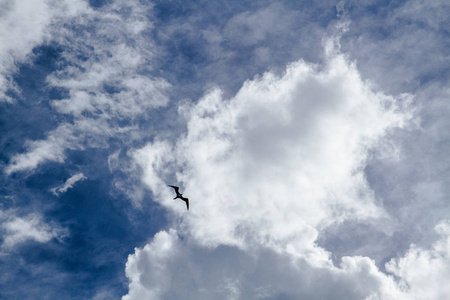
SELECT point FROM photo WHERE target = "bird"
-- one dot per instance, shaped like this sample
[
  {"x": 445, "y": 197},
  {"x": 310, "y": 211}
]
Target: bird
[{"x": 179, "y": 195}]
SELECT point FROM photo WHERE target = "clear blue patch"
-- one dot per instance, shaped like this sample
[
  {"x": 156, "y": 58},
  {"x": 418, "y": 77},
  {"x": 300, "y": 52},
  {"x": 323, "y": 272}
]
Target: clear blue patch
[{"x": 98, "y": 3}]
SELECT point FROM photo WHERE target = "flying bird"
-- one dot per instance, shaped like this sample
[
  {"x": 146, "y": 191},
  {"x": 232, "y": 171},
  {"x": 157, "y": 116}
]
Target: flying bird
[{"x": 179, "y": 195}]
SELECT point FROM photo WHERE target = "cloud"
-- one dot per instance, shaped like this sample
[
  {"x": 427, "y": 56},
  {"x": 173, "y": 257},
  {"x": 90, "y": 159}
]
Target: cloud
[
  {"x": 173, "y": 268},
  {"x": 285, "y": 155},
  {"x": 402, "y": 48},
  {"x": 154, "y": 270},
  {"x": 267, "y": 171},
  {"x": 23, "y": 26},
  {"x": 250, "y": 28},
  {"x": 424, "y": 273},
  {"x": 225, "y": 44},
  {"x": 170, "y": 267},
  {"x": 68, "y": 184},
  {"x": 410, "y": 52},
  {"x": 51, "y": 149},
  {"x": 17, "y": 230},
  {"x": 432, "y": 14},
  {"x": 288, "y": 160},
  {"x": 105, "y": 67}
]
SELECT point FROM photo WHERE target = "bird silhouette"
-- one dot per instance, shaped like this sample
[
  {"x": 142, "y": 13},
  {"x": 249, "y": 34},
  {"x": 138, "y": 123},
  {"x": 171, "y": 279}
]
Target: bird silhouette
[{"x": 179, "y": 195}]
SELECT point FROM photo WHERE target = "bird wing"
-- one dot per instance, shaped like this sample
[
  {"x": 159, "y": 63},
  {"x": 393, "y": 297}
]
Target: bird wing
[
  {"x": 187, "y": 203},
  {"x": 175, "y": 188}
]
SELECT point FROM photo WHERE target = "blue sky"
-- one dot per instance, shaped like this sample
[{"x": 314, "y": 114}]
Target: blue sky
[{"x": 311, "y": 138}]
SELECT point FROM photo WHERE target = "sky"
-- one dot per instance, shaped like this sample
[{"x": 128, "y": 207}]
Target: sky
[{"x": 311, "y": 138}]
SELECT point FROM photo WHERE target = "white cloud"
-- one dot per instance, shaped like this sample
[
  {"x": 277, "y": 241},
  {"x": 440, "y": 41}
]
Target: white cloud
[
  {"x": 24, "y": 25},
  {"x": 51, "y": 149},
  {"x": 267, "y": 170},
  {"x": 18, "y": 230},
  {"x": 425, "y": 273},
  {"x": 172, "y": 268},
  {"x": 147, "y": 267},
  {"x": 108, "y": 55},
  {"x": 68, "y": 184},
  {"x": 285, "y": 155}
]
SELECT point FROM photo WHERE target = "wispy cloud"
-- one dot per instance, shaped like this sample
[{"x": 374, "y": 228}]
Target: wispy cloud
[
  {"x": 23, "y": 26},
  {"x": 108, "y": 80},
  {"x": 17, "y": 230},
  {"x": 68, "y": 184},
  {"x": 410, "y": 52}
]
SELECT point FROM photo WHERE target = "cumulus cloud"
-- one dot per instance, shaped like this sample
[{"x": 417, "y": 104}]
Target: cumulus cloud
[
  {"x": 105, "y": 68},
  {"x": 171, "y": 268},
  {"x": 68, "y": 184},
  {"x": 18, "y": 230},
  {"x": 409, "y": 56},
  {"x": 424, "y": 273},
  {"x": 284, "y": 155},
  {"x": 268, "y": 170}
]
